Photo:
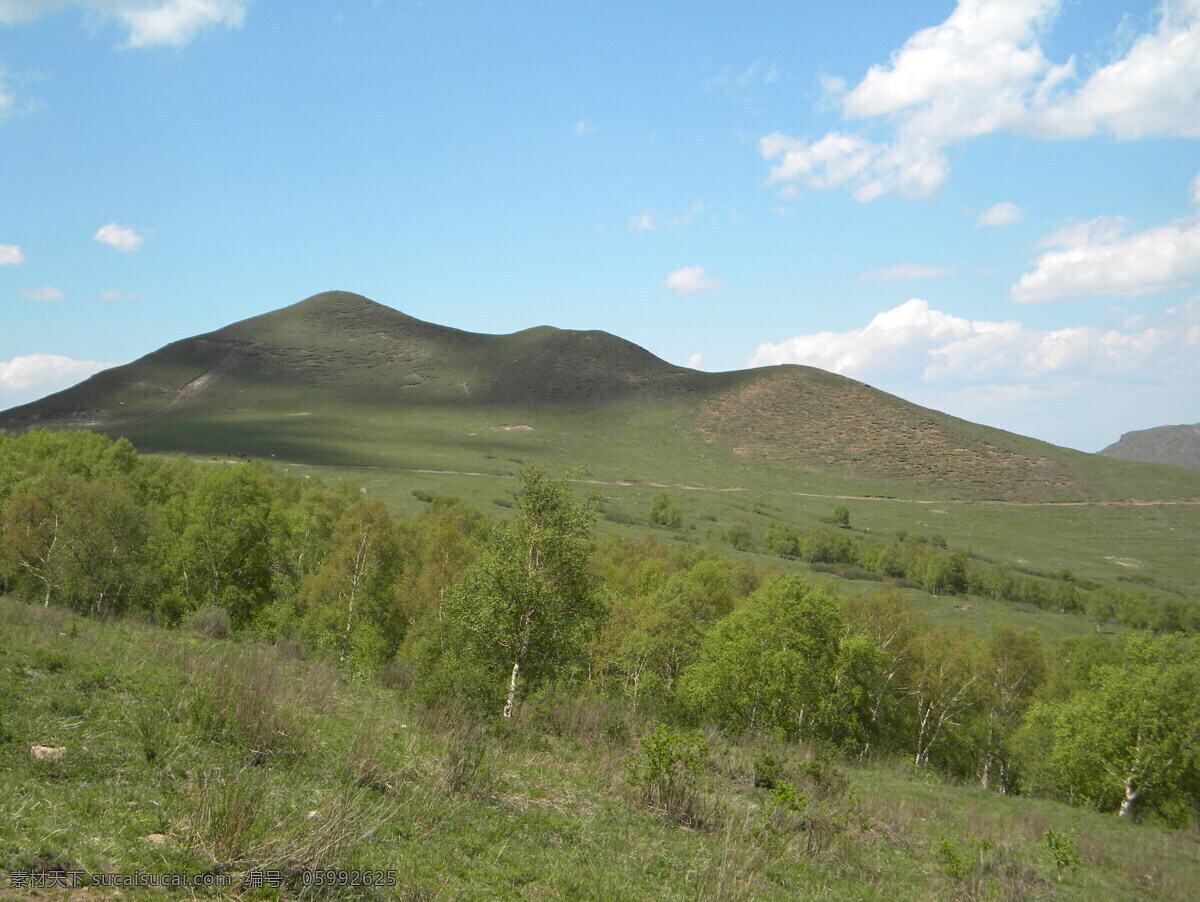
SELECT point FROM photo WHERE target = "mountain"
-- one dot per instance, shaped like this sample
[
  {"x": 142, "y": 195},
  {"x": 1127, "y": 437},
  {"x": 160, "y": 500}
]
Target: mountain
[
  {"x": 1178, "y": 445},
  {"x": 340, "y": 380}
]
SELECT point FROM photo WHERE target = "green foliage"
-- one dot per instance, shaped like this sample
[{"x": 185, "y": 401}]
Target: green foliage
[
  {"x": 525, "y": 611},
  {"x": 771, "y": 664},
  {"x": 664, "y": 513},
  {"x": 667, "y": 771},
  {"x": 1128, "y": 740},
  {"x": 839, "y": 517},
  {"x": 740, "y": 535},
  {"x": 1061, "y": 849},
  {"x": 782, "y": 540}
]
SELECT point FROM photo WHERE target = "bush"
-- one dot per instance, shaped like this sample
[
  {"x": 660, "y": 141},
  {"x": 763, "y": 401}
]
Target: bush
[
  {"x": 667, "y": 773},
  {"x": 1062, "y": 851},
  {"x": 663, "y": 512},
  {"x": 210, "y": 621},
  {"x": 739, "y": 535}
]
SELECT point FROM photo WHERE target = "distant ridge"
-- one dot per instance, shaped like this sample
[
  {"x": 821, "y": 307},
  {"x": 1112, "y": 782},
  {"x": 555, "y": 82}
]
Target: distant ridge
[
  {"x": 1177, "y": 445},
  {"x": 339, "y": 379}
]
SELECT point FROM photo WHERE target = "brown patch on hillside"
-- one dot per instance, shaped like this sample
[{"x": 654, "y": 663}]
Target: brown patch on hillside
[{"x": 808, "y": 420}]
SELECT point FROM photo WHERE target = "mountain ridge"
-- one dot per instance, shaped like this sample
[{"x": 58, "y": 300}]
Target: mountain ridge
[
  {"x": 1175, "y": 445},
  {"x": 343, "y": 380}
]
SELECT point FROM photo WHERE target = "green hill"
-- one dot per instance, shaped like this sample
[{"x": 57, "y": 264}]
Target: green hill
[{"x": 339, "y": 380}]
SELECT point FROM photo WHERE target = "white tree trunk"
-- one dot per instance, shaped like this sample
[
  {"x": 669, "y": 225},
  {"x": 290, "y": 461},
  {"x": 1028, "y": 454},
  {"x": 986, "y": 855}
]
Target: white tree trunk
[{"x": 512, "y": 690}]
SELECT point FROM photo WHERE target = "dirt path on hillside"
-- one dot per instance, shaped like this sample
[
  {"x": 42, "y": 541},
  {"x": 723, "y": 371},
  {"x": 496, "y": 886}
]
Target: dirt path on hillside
[{"x": 1128, "y": 502}]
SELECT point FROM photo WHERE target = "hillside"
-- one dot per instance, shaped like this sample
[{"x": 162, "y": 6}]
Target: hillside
[
  {"x": 339, "y": 380},
  {"x": 183, "y": 754},
  {"x": 1177, "y": 445}
]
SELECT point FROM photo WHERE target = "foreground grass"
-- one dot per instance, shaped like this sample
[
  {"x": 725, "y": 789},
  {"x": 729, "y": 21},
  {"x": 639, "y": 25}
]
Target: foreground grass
[{"x": 192, "y": 755}]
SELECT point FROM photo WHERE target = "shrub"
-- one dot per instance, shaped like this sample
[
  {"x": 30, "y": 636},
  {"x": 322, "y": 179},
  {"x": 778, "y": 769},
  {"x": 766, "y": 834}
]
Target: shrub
[
  {"x": 667, "y": 772},
  {"x": 211, "y": 621},
  {"x": 739, "y": 535},
  {"x": 1062, "y": 851}
]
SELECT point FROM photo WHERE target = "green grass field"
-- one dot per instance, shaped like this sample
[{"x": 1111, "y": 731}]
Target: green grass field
[{"x": 186, "y": 754}]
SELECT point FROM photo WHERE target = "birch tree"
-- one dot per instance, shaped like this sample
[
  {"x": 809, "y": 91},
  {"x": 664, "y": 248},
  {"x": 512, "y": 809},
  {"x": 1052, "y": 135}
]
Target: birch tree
[
  {"x": 525, "y": 610},
  {"x": 1129, "y": 741}
]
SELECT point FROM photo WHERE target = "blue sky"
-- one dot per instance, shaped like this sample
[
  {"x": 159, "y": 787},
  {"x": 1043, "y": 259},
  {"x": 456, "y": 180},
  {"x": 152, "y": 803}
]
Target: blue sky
[{"x": 990, "y": 207}]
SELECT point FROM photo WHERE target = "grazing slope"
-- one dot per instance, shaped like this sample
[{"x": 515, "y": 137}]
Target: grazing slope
[
  {"x": 1178, "y": 445},
  {"x": 341, "y": 380}
]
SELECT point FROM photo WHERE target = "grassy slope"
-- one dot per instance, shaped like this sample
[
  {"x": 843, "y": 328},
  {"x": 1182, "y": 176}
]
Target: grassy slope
[
  {"x": 342, "y": 386},
  {"x": 339, "y": 380},
  {"x": 348, "y": 776}
]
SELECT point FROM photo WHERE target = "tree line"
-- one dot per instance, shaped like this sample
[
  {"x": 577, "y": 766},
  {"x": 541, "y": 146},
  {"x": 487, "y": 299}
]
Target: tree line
[
  {"x": 491, "y": 615},
  {"x": 925, "y": 562}
]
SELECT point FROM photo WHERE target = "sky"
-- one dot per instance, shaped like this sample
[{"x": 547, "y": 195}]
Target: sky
[{"x": 989, "y": 207}]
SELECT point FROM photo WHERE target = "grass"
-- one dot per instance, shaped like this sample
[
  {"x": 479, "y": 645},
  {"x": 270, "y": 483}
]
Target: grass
[
  {"x": 338, "y": 380},
  {"x": 339, "y": 386},
  {"x": 164, "y": 771}
]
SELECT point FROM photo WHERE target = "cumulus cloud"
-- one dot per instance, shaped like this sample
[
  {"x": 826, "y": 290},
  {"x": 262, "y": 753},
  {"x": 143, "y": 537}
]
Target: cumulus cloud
[
  {"x": 10, "y": 255},
  {"x": 44, "y": 293},
  {"x": 149, "y": 23},
  {"x": 583, "y": 127},
  {"x": 1095, "y": 259},
  {"x": 691, "y": 279},
  {"x": 904, "y": 271},
  {"x": 1001, "y": 214},
  {"x": 983, "y": 71},
  {"x": 653, "y": 221},
  {"x": 33, "y": 376},
  {"x": 1194, "y": 189},
  {"x": 914, "y": 342},
  {"x": 123, "y": 238},
  {"x": 694, "y": 361}
]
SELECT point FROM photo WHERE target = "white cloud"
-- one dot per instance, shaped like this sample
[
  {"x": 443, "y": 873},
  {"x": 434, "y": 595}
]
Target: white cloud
[
  {"x": 904, "y": 271},
  {"x": 1001, "y": 214},
  {"x": 33, "y": 376},
  {"x": 983, "y": 71},
  {"x": 1153, "y": 90},
  {"x": 1194, "y": 189},
  {"x": 44, "y": 293},
  {"x": 653, "y": 221},
  {"x": 123, "y": 238},
  {"x": 583, "y": 127},
  {"x": 694, "y": 361},
  {"x": 1095, "y": 260},
  {"x": 176, "y": 22},
  {"x": 10, "y": 255},
  {"x": 691, "y": 279},
  {"x": 915, "y": 342},
  {"x": 1081, "y": 386},
  {"x": 150, "y": 23},
  {"x": 1100, "y": 230}
]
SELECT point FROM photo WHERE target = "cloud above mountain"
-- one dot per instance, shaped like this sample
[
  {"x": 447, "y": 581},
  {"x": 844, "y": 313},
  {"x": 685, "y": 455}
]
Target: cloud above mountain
[{"x": 983, "y": 71}]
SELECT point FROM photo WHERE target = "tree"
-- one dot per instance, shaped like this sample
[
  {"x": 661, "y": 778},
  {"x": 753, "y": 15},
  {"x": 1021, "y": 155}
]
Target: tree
[
  {"x": 782, "y": 540},
  {"x": 740, "y": 535},
  {"x": 526, "y": 609},
  {"x": 1010, "y": 668},
  {"x": 943, "y": 684},
  {"x": 347, "y": 602},
  {"x": 772, "y": 663},
  {"x": 221, "y": 553},
  {"x": 1130, "y": 739},
  {"x": 663, "y": 512}
]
